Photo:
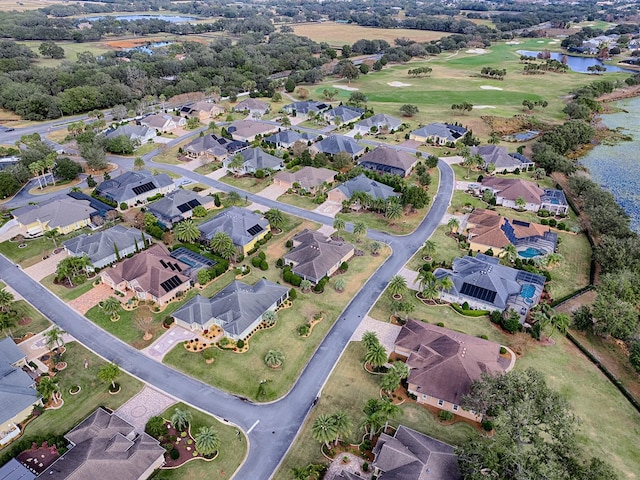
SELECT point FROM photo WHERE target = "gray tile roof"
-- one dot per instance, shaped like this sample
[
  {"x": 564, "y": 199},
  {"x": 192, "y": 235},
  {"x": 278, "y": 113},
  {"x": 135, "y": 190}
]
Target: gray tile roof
[
  {"x": 500, "y": 157},
  {"x": 339, "y": 143},
  {"x": 251, "y": 104},
  {"x": 100, "y": 246},
  {"x": 106, "y": 447},
  {"x": 237, "y": 223},
  {"x": 121, "y": 188},
  {"x": 308, "y": 177},
  {"x": 16, "y": 391},
  {"x": 258, "y": 159},
  {"x": 9, "y": 351},
  {"x": 380, "y": 120},
  {"x": 362, "y": 183},
  {"x": 388, "y": 160},
  {"x": 346, "y": 114},
  {"x": 289, "y": 137},
  {"x": 56, "y": 212},
  {"x": 449, "y": 132},
  {"x": 171, "y": 208},
  {"x": 133, "y": 132},
  {"x": 246, "y": 129},
  {"x": 306, "y": 106},
  {"x": 208, "y": 144},
  {"x": 14, "y": 470}
]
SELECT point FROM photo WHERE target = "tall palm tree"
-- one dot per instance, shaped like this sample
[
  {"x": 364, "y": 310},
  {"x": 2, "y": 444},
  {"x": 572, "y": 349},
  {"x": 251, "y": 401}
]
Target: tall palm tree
[
  {"x": 47, "y": 387},
  {"x": 274, "y": 358},
  {"x": 207, "y": 440},
  {"x": 343, "y": 425},
  {"x": 373, "y": 419},
  {"x": 359, "y": 230},
  {"x": 109, "y": 373},
  {"x": 453, "y": 224},
  {"x": 6, "y": 300},
  {"x": 369, "y": 339},
  {"x": 233, "y": 198},
  {"x": 390, "y": 381},
  {"x": 428, "y": 249},
  {"x": 509, "y": 252},
  {"x": 446, "y": 284},
  {"x": 408, "y": 308},
  {"x": 375, "y": 248},
  {"x": 53, "y": 337},
  {"x": 339, "y": 224},
  {"x": 181, "y": 419},
  {"x": 376, "y": 356},
  {"x": 187, "y": 231},
  {"x": 425, "y": 279},
  {"x": 53, "y": 235},
  {"x": 111, "y": 306},
  {"x": 401, "y": 369},
  {"x": 276, "y": 218},
  {"x": 236, "y": 163},
  {"x": 393, "y": 212},
  {"x": 324, "y": 429},
  {"x": 389, "y": 411},
  {"x": 397, "y": 286}
]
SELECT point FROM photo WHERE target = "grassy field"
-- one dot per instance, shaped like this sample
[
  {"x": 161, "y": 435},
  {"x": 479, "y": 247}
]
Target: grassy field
[
  {"x": 20, "y": 6},
  {"x": 71, "y": 50},
  {"x": 298, "y": 201},
  {"x": 248, "y": 183},
  {"x": 233, "y": 448},
  {"x": 446, "y": 249}
]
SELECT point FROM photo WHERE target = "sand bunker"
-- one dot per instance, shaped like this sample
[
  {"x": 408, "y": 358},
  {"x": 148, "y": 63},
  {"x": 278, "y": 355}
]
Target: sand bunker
[
  {"x": 398, "y": 84},
  {"x": 513, "y": 42},
  {"x": 477, "y": 51},
  {"x": 344, "y": 87},
  {"x": 489, "y": 87},
  {"x": 481, "y": 107},
  {"x": 540, "y": 41}
]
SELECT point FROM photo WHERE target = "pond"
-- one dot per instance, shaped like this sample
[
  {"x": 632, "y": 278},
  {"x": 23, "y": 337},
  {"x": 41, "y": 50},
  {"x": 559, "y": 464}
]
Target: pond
[
  {"x": 578, "y": 64},
  {"x": 148, "y": 48},
  {"x": 130, "y": 18},
  {"x": 521, "y": 136}
]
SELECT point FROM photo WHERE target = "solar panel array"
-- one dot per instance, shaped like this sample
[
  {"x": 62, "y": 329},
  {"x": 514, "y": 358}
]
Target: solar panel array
[
  {"x": 255, "y": 230},
  {"x": 521, "y": 223},
  {"x": 181, "y": 252},
  {"x": 171, "y": 266},
  {"x": 190, "y": 205},
  {"x": 170, "y": 284},
  {"x": 478, "y": 292},
  {"x": 528, "y": 277},
  {"x": 144, "y": 188}
]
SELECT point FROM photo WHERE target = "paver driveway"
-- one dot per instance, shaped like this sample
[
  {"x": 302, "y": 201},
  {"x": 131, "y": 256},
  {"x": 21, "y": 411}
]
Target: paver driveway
[
  {"x": 93, "y": 297},
  {"x": 148, "y": 403}
]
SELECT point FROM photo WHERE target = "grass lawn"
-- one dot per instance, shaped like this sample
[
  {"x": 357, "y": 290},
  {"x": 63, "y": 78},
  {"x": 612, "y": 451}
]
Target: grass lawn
[
  {"x": 146, "y": 148},
  {"x": 233, "y": 448},
  {"x": 446, "y": 249},
  {"x": 38, "y": 321},
  {"x": 298, "y": 201},
  {"x": 348, "y": 389},
  {"x": 572, "y": 272},
  {"x": 34, "y": 250},
  {"x": 64, "y": 293},
  {"x": 229, "y": 370},
  {"x": 248, "y": 183}
]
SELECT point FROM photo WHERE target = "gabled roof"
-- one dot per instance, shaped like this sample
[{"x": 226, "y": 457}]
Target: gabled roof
[
  {"x": 308, "y": 177},
  {"x": 305, "y": 107},
  {"x": 411, "y": 455},
  {"x": 100, "y": 245},
  {"x": 9, "y": 351},
  {"x": 105, "y": 447},
  {"x": 152, "y": 270},
  {"x": 316, "y": 254},
  {"x": 364, "y": 184},
  {"x": 388, "y": 160},
  {"x": 130, "y": 131},
  {"x": 14, "y": 470},
  {"x": 131, "y": 184},
  {"x": 514, "y": 188},
  {"x": 380, "y": 120},
  {"x": 209, "y": 144},
  {"x": 289, "y": 137},
  {"x": 159, "y": 120},
  {"x": 240, "y": 224},
  {"x": 251, "y": 104},
  {"x": 346, "y": 114},
  {"x": 208, "y": 107},
  {"x": 175, "y": 204},
  {"x": 339, "y": 143},
  {"x": 16, "y": 391},
  {"x": 236, "y": 307},
  {"x": 55, "y": 212},
  {"x": 444, "y": 363},
  {"x": 250, "y": 128},
  {"x": 447, "y": 131},
  {"x": 487, "y": 227},
  {"x": 499, "y": 156},
  {"x": 257, "y": 159}
]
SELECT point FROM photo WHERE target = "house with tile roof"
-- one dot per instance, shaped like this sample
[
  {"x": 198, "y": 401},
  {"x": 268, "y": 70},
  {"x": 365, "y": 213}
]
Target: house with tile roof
[
  {"x": 14, "y": 470},
  {"x": 337, "y": 143},
  {"x": 287, "y": 138},
  {"x": 252, "y": 107},
  {"x": 309, "y": 179},
  {"x": 247, "y": 130},
  {"x": 315, "y": 256},
  {"x": 108, "y": 246},
  {"x": 444, "y": 363},
  {"x": 487, "y": 229},
  {"x": 245, "y": 227},
  {"x": 385, "y": 159},
  {"x": 134, "y": 188},
  {"x": 103, "y": 447},
  {"x": 151, "y": 274},
  {"x": 378, "y": 122},
  {"x": 438, "y": 133},
  {"x": 178, "y": 206},
  {"x": 255, "y": 159},
  {"x": 238, "y": 308},
  {"x": 508, "y": 190},
  {"x": 62, "y": 213},
  {"x": 342, "y": 114},
  {"x": 411, "y": 455},
  {"x": 501, "y": 158},
  {"x": 163, "y": 122},
  {"x": 135, "y": 133},
  {"x": 212, "y": 147},
  {"x": 364, "y": 184},
  {"x": 203, "y": 111},
  {"x": 305, "y": 107}
]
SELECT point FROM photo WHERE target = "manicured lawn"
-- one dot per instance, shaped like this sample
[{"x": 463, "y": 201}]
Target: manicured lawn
[
  {"x": 38, "y": 321},
  {"x": 65, "y": 293},
  {"x": 29, "y": 255},
  {"x": 248, "y": 183},
  {"x": 146, "y": 148},
  {"x": 233, "y": 448},
  {"x": 446, "y": 249},
  {"x": 348, "y": 389},
  {"x": 337, "y": 34},
  {"x": 572, "y": 272},
  {"x": 298, "y": 201}
]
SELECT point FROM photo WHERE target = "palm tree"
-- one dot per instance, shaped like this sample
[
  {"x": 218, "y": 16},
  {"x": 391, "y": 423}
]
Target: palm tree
[
  {"x": 305, "y": 285},
  {"x": 428, "y": 249},
  {"x": 233, "y": 198},
  {"x": 397, "y": 286},
  {"x": 446, "y": 284},
  {"x": 236, "y": 163},
  {"x": 47, "y": 387},
  {"x": 520, "y": 203},
  {"x": 34, "y": 168},
  {"x": 468, "y": 162},
  {"x": 138, "y": 163},
  {"x": 425, "y": 279},
  {"x": 375, "y": 248},
  {"x": 53, "y": 235},
  {"x": 369, "y": 339},
  {"x": 407, "y": 308},
  {"x": 49, "y": 163},
  {"x": 401, "y": 369},
  {"x": 269, "y": 317},
  {"x": 343, "y": 425},
  {"x": 111, "y": 306},
  {"x": 221, "y": 242},
  {"x": 7, "y": 323},
  {"x": 393, "y": 212},
  {"x": 340, "y": 284},
  {"x": 390, "y": 381},
  {"x": 53, "y": 337},
  {"x": 181, "y": 419},
  {"x": 453, "y": 224},
  {"x": 276, "y": 218},
  {"x": 207, "y": 440},
  {"x": 554, "y": 321},
  {"x": 388, "y": 411},
  {"x": 274, "y": 358},
  {"x": 373, "y": 419},
  {"x": 339, "y": 224},
  {"x": 509, "y": 252},
  {"x": 324, "y": 429},
  {"x": 376, "y": 356},
  {"x": 187, "y": 231},
  {"x": 359, "y": 230},
  {"x": 109, "y": 373},
  {"x": 6, "y": 299}
]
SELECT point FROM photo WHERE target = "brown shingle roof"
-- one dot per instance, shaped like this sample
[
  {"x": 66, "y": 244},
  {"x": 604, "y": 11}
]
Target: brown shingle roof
[
  {"x": 308, "y": 177},
  {"x": 513, "y": 188},
  {"x": 389, "y": 157},
  {"x": 485, "y": 227}
]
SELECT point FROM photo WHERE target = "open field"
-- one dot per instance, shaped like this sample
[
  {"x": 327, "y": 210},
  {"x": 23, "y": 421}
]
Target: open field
[
  {"x": 71, "y": 49},
  {"x": 338, "y": 34},
  {"x": 21, "y": 6}
]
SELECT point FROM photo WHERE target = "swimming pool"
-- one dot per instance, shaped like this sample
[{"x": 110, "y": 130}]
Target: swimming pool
[
  {"x": 528, "y": 291},
  {"x": 530, "y": 252}
]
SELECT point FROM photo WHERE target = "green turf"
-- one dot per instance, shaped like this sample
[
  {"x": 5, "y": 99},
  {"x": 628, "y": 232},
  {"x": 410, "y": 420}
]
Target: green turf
[
  {"x": 38, "y": 321},
  {"x": 65, "y": 293}
]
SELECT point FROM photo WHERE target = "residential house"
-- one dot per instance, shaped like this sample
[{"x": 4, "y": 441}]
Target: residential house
[
  {"x": 108, "y": 246},
  {"x": 501, "y": 159},
  {"x": 486, "y": 229},
  {"x": 484, "y": 284},
  {"x": 315, "y": 256},
  {"x": 7, "y": 162},
  {"x": 364, "y": 184},
  {"x": 305, "y": 108},
  {"x": 385, "y": 159},
  {"x": 337, "y": 143},
  {"x": 18, "y": 395},
  {"x": 255, "y": 108},
  {"x": 62, "y": 213},
  {"x": 508, "y": 190},
  {"x": 411, "y": 455},
  {"x": 178, "y": 205},
  {"x": 438, "y": 133},
  {"x": 103, "y": 447},
  {"x": 444, "y": 363},
  {"x": 238, "y": 308},
  {"x": 212, "y": 147},
  {"x": 309, "y": 179},
  {"x": 163, "y": 122},
  {"x": 245, "y": 227},
  {"x": 203, "y": 111},
  {"x": 134, "y": 188},
  {"x": 342, "y": 114},
  {"x": 14, "y": 470},
  {"x": 135, "y": 133},
  {"x": 152, "y": 274},
  {"x": 255, "y": 159},
  {"x": 377, "y": 123},
  {"x": 287, "y": 138},
  {"x": 248, "y": 130}
]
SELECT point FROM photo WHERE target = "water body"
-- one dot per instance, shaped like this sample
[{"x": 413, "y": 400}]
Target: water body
[
  {"x": 578, "y": 64},
  {"x": 149, "y": 48},
  {"x": 617, "y": 167},
  {"x": 166, "y": 18}
]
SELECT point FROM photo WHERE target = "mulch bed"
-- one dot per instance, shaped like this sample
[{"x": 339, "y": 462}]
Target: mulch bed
[
  {"x": 24, "y": 321},
  {"x": 182, "y": 446},
  {"x": 38, "y": 459}
]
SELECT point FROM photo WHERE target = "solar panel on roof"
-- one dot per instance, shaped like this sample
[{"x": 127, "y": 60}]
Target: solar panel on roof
[
  {"x": 521, "y": 223},
  {"x": 255, "y": 230},
  {"x": 178, "y": 267},
  {"x": 164, "y": 265},
  {"x": 145, "y": 187},
  {"x": 478, "y": 292},
  {"x": 170, "y": 284}
]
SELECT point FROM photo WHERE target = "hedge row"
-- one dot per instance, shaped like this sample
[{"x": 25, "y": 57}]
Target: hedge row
[
  {"x": 569, "y": 296},
  {"x": 469, "y": 313}
]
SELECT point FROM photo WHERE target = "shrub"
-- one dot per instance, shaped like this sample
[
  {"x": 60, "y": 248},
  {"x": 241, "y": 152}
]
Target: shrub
[
  {"x": 543, "y": 213},
  {"x": 553, "y": 222},
  {"x": 262, "y": 256},
  {"x": 440, "y": 324},
  {"x": 511, "y": 324},
  {"x": 279, "y": 263},
  {"x": 365, "y": 467},
  {"x": 240, "y": 343},
  {"x": 289, "y": 243},
  {"x": 293, "y": 294},
  {"x": 303, "y": 330},
  {"x": 634, "y": 355},
  {"x": 174, "y": 454},
  {"x": 487, "y": 425},
  {"x": 124, "y": 206},
  {"x": 465, "y": 306},
  {"x": 168, "y": 321},
  {"x": 562, "y": 226},
  {"x": 256, "y": 261},
  {"x": 156, "y": 427},
  {"x": 445, "y": 415},
  {"x": 484, "y": 337},
  {"x": 344, "y": 266},
  {"x": 208, "y": 354},
  {"x": 264, "y": 265},
  {"x": 502, "y": 350}
]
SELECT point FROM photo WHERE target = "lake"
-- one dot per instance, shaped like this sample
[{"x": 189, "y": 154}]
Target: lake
[
  {"x": 617, "y": 167},
  {"x": 578, "y": 64},
  {"x": 166, "y": 18}
]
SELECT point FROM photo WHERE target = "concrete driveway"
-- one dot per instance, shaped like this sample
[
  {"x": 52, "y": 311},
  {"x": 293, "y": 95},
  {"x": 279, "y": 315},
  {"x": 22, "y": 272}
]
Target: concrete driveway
[
  {"x": 386, "y": 332},
  {"x": 46, "y": 267},
  {"x": 175, "y": 335},
  {"x": 328, "y": 208},
  {"x": 411, "y": 277},
  {"x": 273, "y": 191}
]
